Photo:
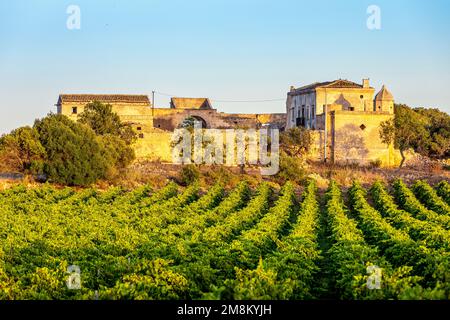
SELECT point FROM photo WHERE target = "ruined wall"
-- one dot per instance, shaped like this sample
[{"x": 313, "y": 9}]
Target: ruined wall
[
  {"x": 170, "y": 119},
  {"x": 154, "y": 127}
]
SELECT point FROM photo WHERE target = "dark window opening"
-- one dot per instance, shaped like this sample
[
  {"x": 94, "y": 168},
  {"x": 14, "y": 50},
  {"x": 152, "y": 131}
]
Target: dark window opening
[
  {"x": 361, "y": 96},
  {"x": 139, "y": 128},
  {"x": 351, "y": 108},
  {"x": 300, "y": 122},
  {"x": 362, "y": 127},
  {"x": 141, "y": 136},
  {"x": 74, "y": 110}
]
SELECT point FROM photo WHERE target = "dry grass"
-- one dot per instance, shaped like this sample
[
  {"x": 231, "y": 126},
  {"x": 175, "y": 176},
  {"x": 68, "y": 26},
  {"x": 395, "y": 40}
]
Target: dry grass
[
  {"x": 345, "y": 175},
  {"x": 157, "y": 175}
]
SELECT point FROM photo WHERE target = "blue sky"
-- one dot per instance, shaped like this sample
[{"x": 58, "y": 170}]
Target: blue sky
[{"x": 222, "y": 49}]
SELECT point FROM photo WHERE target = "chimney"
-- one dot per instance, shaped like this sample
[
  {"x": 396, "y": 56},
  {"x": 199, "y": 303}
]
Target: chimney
[
  {"x": 292, "y": 88},
  {"x": 365, "y": 83}
]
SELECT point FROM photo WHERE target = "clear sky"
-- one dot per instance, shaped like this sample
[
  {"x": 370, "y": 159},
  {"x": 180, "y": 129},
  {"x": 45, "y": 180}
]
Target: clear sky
[{"x": 222, "y": 49}]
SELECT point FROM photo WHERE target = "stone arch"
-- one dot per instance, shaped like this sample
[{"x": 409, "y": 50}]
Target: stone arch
[
  {"x": 200, "y": 119},
  {"x": 196, "y": 118}
]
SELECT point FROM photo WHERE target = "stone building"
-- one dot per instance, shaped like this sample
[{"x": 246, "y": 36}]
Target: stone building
[
  {"x": 348, "y": 115},
  {"x": 154, "y": 126}
]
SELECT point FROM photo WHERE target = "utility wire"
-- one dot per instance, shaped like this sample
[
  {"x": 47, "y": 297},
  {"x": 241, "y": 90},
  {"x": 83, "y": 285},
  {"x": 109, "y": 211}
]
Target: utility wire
[{"x": 222, "y": 100}]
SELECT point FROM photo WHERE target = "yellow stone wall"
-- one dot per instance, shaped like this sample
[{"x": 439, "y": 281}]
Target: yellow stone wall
[
  {"x": 136, "y": 114},
  {"x": 356, "y": 138},
  {"x": 347, "y": 97},
  {"x": 349, "y": 143},
  {"x": 155, "y": 145}
]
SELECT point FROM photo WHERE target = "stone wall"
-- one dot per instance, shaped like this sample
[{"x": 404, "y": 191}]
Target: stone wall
[
  {"x": 155, "y": 145},
  {"x": 170, "y": 119},
  {"x": 347, "y": 97},
  {"x": 356, "y": 138},
  {"x": 155, "y": 126},
  {"x": 353, "y": 137}
]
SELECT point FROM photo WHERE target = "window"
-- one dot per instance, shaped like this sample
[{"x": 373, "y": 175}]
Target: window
[
  {"x": 141, "y": 136},
  {"x": 293, "y": 114},
  {"x": 361, "y": 97},
  {"x": 362, "y": 127},
  {"x": 313, "y": 112},
  {"x": 139, "y": 128},
  {"x": 74, "y": 110}
]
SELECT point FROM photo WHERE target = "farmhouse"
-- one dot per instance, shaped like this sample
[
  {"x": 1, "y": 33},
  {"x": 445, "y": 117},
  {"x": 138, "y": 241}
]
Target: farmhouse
[{"x": 346, "y": 119}]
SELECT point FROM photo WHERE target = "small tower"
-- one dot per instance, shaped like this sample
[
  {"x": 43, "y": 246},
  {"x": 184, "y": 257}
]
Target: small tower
[{"x": 384, "y": 101}]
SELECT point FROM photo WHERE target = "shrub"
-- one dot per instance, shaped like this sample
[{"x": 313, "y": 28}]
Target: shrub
[
  {"x": 21, "y": 151},
  {"x": 100, "y": 118},
  {"x": 296, "y": 141},
  {"x": 189, "y": 174},
  {"x": 291, "y": 169},
  {"x": 75, "y": 155},
  {"x": 375, "y": 163}
]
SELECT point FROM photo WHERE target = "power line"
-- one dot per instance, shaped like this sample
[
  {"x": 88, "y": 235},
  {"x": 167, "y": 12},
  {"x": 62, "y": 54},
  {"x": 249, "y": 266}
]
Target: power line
[
  {"x": 228, "y": 101},
  {"x": 263, "y": 100}
]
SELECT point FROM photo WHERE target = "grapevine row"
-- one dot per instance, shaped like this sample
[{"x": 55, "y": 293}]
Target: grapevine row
[{"x": 407, "y": 201}]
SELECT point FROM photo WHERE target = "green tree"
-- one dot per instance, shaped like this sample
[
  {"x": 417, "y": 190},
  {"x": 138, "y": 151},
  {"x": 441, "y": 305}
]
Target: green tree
[
  {"x": 115, "y": 136},
  {"x": 117, "y": 151},
  {"x": 407, "y": 130},
  {"x": 104, "y": 121},
  {"x": 438, "y": 126},
  {"x": 75, "y": 155},
  {"x": 188, "y": 123},
  {"x": 296, "y": 141},
  {"x": 22, "y": 151}
]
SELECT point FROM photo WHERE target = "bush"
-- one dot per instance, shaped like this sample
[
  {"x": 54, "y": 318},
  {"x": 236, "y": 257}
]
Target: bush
[
  {"x": 75, "y": 155},
  {"x": 296, "y": 141},
  {"x": 375, "y": 163},
  {"x": 100, "y": 118},
  {"x": 189, "y": 174},
  {"x": 118, "y": 153},
  {"x": 291, "y": 169},
  {"x": 21, "y": 151}
]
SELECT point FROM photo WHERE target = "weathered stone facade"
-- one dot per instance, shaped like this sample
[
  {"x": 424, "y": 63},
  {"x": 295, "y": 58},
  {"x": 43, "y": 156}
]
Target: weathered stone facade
[
  {"x": 352, "y": 120},
  {"x": 154, "y": 126}
]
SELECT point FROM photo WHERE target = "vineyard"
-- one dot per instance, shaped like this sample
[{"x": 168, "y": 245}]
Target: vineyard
[{"x": 371, "y": 242}]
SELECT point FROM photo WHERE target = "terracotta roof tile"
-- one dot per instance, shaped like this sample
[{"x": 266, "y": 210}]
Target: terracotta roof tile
[{"x": 107, "y": 98}]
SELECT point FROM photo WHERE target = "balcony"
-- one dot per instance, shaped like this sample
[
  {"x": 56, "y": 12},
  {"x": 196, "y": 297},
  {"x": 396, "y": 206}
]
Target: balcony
[{"x": 300, "y": 122}]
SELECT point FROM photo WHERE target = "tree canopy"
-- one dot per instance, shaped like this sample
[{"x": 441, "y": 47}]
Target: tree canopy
[
  {"x": 104, "y": 121},
  {"x": 296, "y": 141},
  {"x": 68, "y": 152},
  {"x": 75, "y": 156},
  {"x": 427, "y": 131},
  {"x": 22, "y": 151}
]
